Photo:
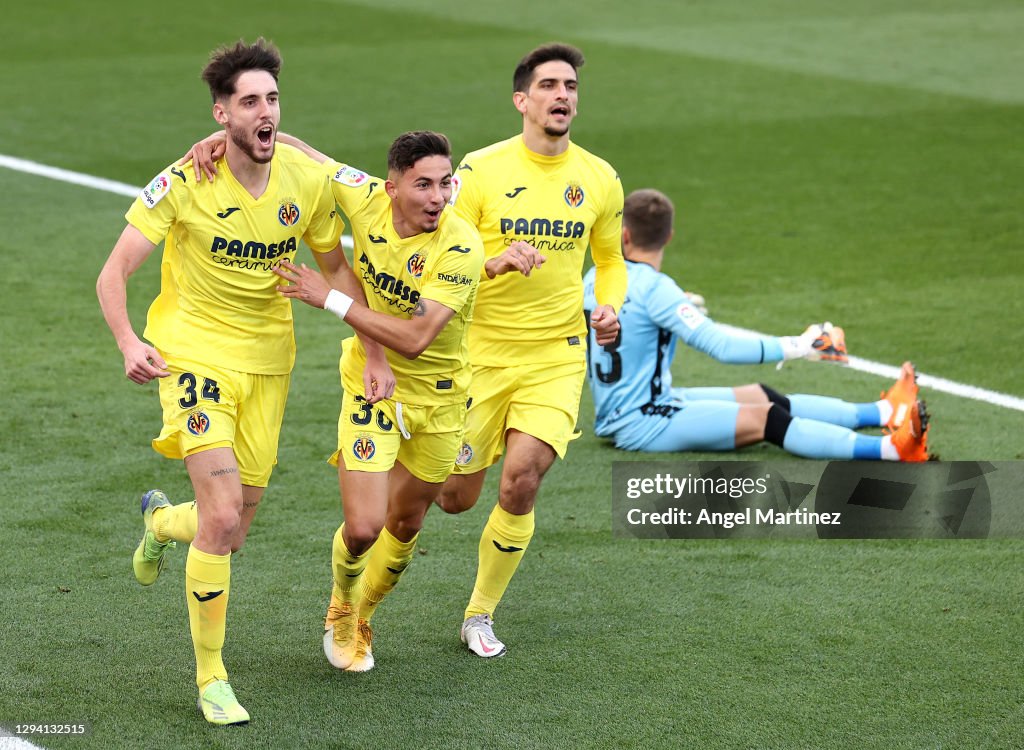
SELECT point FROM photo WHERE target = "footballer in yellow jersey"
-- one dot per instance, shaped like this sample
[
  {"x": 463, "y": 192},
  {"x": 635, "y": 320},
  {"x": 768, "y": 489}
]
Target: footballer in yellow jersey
[
  {"x": 419, "y": 264},
  {"x": 538, "y": 201},
  {"x": 221, "y": 337},
  {"x": 442, "y": 265},
  {"x": 218, "y": 301},
  {"x": 559, "y": 205}
]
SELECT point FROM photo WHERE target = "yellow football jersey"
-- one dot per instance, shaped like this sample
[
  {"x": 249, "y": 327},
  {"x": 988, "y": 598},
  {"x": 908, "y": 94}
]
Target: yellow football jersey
[
  {"x": 443, "y": 266},
  {"x": 558, "y": 204},
  {"x": 218, "y": 301}
]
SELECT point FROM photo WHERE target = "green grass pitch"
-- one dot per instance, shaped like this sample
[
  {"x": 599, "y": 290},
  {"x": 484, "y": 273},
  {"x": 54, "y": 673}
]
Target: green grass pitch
[{"x": 842, "y": 160}]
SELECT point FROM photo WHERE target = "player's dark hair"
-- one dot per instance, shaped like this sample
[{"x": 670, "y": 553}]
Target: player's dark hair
[
  {"x": 648, "y": 214},
  {"x": 523, "y": 76},
  {"x": 409, "y": 148},
  {"x": 228, "y": 62}
]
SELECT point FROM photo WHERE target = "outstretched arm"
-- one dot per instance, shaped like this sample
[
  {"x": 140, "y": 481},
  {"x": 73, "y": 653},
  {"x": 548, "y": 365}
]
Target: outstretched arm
[{"x": 671, "y": 308}]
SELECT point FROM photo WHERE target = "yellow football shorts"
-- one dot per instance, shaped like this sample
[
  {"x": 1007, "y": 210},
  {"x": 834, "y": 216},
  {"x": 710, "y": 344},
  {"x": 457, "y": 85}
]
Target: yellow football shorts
[
  {"x": 542, "y": 400},
  {"x": 206, "y": 406},
  {"x": 425, "y": 439}
]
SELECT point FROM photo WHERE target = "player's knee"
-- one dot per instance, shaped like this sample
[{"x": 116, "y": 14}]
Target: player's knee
[
  {"x": 221, "y": 522},
  {"x": 405, "y": 528},
  {"x": 456, "y": 497},
  {"x": 360, "y": 534},
  {"x": 519, "y": 489}
]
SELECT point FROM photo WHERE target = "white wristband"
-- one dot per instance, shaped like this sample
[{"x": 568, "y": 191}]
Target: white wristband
[{"x": 338, "y": 303}]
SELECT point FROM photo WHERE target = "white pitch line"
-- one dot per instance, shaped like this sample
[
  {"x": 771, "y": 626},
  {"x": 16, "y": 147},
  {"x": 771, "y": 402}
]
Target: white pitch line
[
  {"x": 66, "y": 175},
  {"x": 944, "y": 385},
  {"x": 9, "y": 742},
  {"x": 86, "y": 180},
  {"x": 862, "y": 365}
]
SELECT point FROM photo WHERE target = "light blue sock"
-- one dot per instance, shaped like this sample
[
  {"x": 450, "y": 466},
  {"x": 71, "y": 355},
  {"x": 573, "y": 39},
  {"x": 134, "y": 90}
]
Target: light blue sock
[
  {"x": 812, "y": 439},
  {"x": 834, "y": 411}
]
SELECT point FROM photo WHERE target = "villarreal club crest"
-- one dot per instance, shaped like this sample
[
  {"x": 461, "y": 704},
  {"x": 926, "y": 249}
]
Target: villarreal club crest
[
  {"x": 288, "y": 214},
  {"x": 465, "y": 454},
  {"x": 363, "y": 448},
  {"x": 574, "y": 195},
  {"x": 198, "y": 423},
  {"x": 415, "y": 264}
]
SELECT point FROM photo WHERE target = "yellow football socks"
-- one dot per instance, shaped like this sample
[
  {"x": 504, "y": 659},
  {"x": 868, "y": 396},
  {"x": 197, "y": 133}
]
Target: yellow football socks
[
  {"x": 207, "y": 580},
  {"x": 502, "y": 545},
  {"x": 389, "y": 560},
  {"x": 177, "y": 522},
  {"x": 348, "y": 568}
]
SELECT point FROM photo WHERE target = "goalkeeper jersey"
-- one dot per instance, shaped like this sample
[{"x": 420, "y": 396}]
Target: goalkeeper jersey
[{"x": 633, "y": 376}]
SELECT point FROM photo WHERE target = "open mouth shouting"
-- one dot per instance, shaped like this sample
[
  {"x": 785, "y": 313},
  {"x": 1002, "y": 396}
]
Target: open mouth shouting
[
  {"x": 433, "y": 215},
  {"x": 265, "y": 135}
]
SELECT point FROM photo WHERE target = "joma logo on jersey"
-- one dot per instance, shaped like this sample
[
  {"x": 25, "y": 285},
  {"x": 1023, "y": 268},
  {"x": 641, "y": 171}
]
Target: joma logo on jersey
[
  {"x": 363, "y": 448},
  {"x": 574, "y": 195},
  {"x": 455, "y": 278},
  {"x": 252, "y": 249},
  {"x": 543, "y": 227},
  {"x": 288, "y": 214},
  {"x": 385, "y": 283},
  {"x": 415, "y": 264}
]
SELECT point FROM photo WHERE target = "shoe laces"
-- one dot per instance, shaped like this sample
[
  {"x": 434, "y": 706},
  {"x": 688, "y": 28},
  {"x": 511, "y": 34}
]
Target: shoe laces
[
  {"x": 483, "y": 623},
  {"x": 220, "y": 693},
  {"x": 154, "y": 549},
  {"x": 337, "y": 612},
  {"x": 365, "y": 639}
]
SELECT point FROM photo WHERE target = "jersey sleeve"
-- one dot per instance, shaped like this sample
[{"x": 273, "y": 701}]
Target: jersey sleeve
[
  {"x": 670, "y": 309},
  {"x": 350, "y": 186},
  {"x": 455, "y": 276},
  {"x": 606, "y": 250},
  {"x": 466, "y": 193},
  {"x": 160, "y": 204},
  {"x": 325, "y": 228}
]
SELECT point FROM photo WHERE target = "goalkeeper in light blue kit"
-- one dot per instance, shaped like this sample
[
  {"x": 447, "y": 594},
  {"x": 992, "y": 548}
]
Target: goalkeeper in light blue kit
[{"x": 631, "y": 381}]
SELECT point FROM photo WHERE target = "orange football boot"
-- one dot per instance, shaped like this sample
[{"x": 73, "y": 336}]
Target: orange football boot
[
  {"x": 902, "y": 395},
  {"x": 911, "y": 439}
]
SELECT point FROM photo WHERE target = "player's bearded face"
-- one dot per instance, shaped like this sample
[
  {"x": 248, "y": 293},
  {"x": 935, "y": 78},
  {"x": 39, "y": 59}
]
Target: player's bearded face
[
  {"x": 253, "y": 114},
  {"x": 419, "y": 195},
  {"x": 551, "y": 100},
  {"x": 258, "y": 146}
]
